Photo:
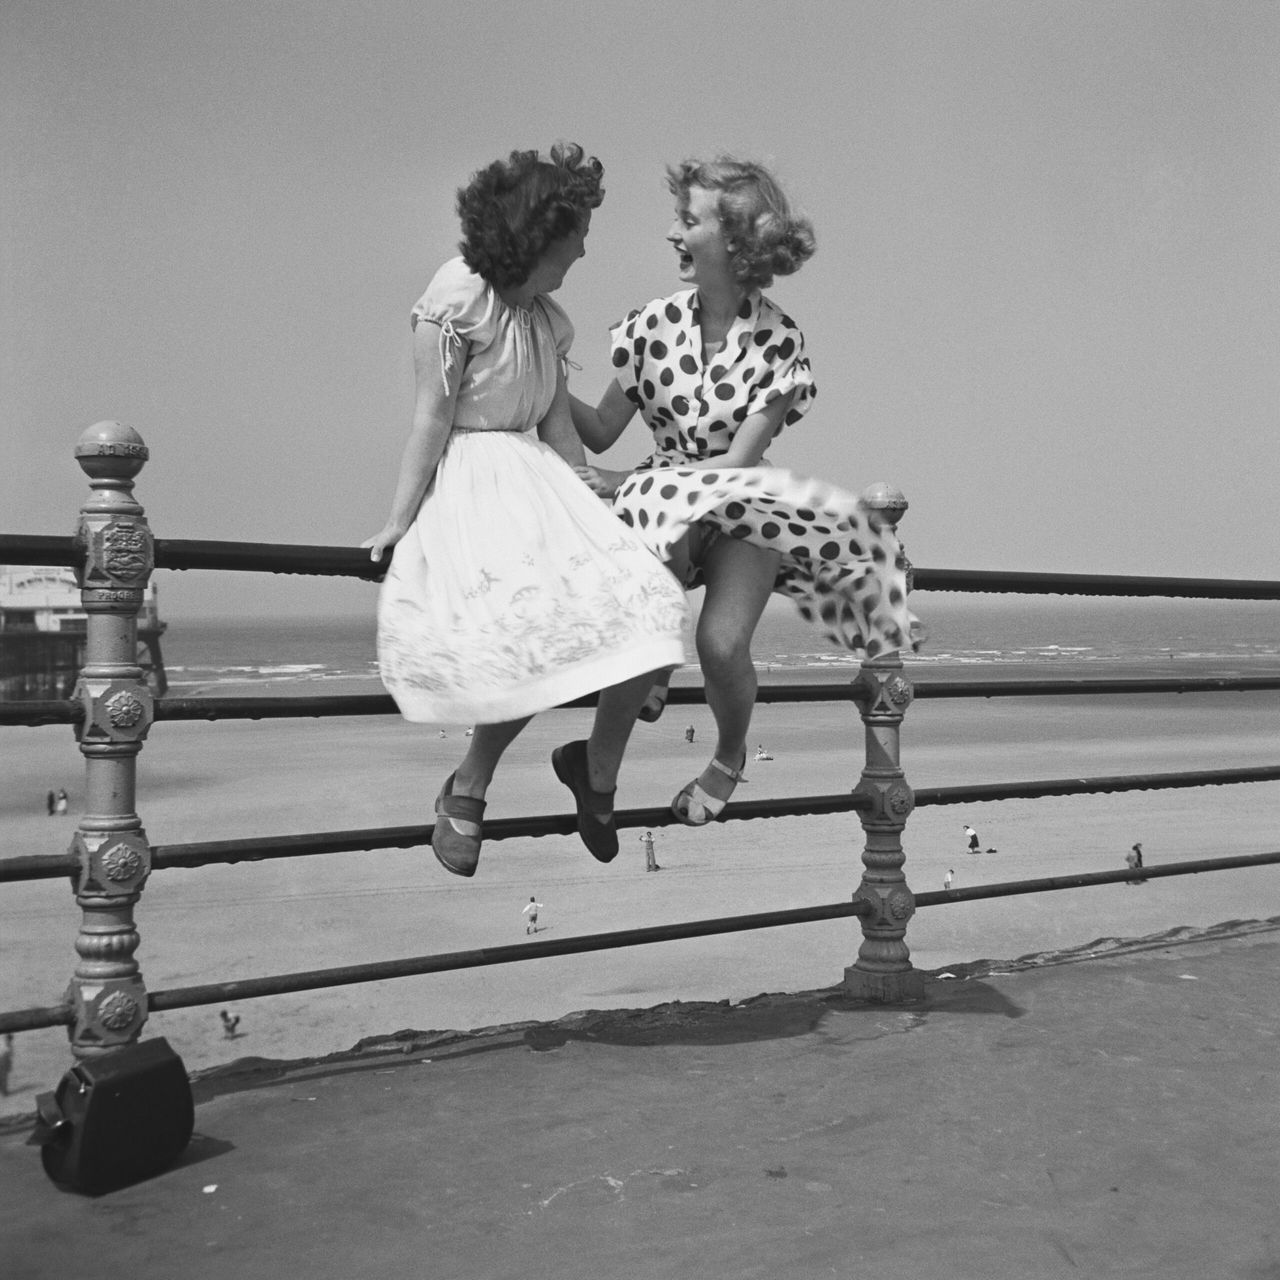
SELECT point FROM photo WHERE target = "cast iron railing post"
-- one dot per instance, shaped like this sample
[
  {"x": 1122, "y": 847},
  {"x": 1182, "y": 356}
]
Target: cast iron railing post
[
  {"x": 883, "y": 969},
  {"x": 106, "y": 994}
]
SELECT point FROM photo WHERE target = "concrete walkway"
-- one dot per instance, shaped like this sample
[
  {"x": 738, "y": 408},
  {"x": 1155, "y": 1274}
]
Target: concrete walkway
[{"x": 1113, "y": 1114}]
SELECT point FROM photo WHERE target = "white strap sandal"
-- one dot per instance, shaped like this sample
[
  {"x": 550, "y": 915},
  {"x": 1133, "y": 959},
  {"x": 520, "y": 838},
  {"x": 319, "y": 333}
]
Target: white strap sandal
[{"x": 695, "y": 807}]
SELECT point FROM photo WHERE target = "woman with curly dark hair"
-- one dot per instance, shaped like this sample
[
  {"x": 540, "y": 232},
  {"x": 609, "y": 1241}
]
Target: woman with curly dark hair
[
  {"x": 512, "y": 588},
  {"x": 716, "y": 371}
]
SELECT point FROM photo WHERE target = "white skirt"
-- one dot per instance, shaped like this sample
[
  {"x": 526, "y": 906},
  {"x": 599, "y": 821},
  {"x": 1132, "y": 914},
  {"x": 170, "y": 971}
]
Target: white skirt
[{"x": 517, "y": 589}]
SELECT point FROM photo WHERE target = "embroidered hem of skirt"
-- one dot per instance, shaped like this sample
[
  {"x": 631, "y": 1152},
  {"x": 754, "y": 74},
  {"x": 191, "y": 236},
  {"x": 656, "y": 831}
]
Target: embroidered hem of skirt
[{"x": 492, "y": 706}]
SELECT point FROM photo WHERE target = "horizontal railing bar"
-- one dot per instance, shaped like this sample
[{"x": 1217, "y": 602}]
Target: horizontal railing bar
[
  {"x": 39, "y": 866},
  {"x": 248, "y": 988},
  {"x": 1034, "y": 688},
  {"x": 263, "y": 848},
  {"x": 975, "y": 793},
  {"x": 1084, "y": 879},
  {"x": 276, "y": 708},
  {"x": 354, "y": 562},
  {"x": 35, "y": 713},
  {"x": 41, "y": 711},
  {"x": 189, "y": 553},
  {"x": 315, "y": 979},
  {"x": 414, "y": 966},
  {"x": 267, "y": 557},
  {"x": 1093, "y": 584},
  {"x": 39, "y": 549},
  {"x": 37, "y": 1019}
]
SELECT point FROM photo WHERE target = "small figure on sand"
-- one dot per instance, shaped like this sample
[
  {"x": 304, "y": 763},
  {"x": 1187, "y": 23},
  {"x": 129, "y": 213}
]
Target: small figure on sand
[
  {"x": 762, "y": 754},
  {"x": 531, "y": 911},
  {"x": 650, "y": 859},
  {"x": 51, "y": 802},
  {"x": 688, "y": 734},
  {"x": 947, "y": 879},
  {"x": 6, "y": 1063},
  {"x": 974, "y": 846},
  {"x": 230, "y": 1021},
  {"x": 60, "y": 801},
  {"x": 1133, "y": 860}
]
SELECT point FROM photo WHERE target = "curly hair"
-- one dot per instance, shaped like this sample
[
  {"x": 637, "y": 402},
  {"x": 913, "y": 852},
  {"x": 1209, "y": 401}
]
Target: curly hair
[
  {"x": 513, "y": 209},
  {"x": 764, "y": 236}
]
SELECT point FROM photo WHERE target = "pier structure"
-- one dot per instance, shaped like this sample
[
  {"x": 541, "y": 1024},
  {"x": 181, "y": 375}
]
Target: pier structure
[{"x": 43, "y": 632}]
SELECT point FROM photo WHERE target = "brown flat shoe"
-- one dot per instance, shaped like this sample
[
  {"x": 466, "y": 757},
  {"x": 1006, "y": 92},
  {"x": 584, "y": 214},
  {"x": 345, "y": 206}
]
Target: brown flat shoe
[{"x": 457, "y": 851}]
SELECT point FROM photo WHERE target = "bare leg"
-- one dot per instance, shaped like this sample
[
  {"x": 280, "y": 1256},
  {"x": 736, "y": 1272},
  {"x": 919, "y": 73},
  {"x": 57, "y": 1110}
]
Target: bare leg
[
  {"x": 739, "y": 578},
  {"x": 590, "y": 769},
  {"x": 484, "y": 750},
  {"x": 615, "y": 717}
]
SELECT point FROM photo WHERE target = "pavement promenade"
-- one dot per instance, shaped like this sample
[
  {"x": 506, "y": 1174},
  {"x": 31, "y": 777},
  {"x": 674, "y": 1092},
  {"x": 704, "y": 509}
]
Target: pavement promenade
[{"x": 1112, "y": 1112}]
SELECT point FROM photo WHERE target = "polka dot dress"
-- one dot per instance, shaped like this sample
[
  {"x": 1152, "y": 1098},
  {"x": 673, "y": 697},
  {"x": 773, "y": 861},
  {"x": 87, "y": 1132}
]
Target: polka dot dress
[{"x": 843, "y": 568}]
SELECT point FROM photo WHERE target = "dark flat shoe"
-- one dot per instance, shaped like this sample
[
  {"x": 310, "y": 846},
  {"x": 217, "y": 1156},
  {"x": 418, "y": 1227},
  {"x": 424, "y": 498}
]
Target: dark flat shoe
[
  {"x": 601, "y": 838},
  {"x": 454, "y": 850},
  {"x": 654, "y": 705}
]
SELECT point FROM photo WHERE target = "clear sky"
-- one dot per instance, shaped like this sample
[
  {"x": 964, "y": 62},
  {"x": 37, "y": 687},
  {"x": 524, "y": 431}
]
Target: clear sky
[{"x": 1045, "y": 304}]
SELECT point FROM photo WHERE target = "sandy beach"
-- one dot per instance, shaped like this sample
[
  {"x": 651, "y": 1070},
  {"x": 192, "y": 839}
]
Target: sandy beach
[{"x": 219, "y": 781}]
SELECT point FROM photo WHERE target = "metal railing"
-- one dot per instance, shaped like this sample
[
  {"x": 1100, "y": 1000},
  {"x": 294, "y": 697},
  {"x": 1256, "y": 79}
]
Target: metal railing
[{"x": 110, "y": 858}]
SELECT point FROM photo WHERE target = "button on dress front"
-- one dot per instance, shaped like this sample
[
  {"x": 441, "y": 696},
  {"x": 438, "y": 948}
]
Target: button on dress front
[{"x": 516, "y": 588}]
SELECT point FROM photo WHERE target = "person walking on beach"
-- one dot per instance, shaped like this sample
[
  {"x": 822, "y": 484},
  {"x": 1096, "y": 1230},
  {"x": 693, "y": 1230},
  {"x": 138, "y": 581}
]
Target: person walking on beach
[
  {"x": 229, "y": 1023},
  {"x": 531, "y": 916},
  {"x": 688, "y": 734},
  {"x": 650, "y": 858},
  {"x": 1133, "y": 860},
  {"x": 512, "y": 588},
  {"x": 6, "y": 1063},
  {"x": 51, "y": 802},
  {"x": 716, "y": 371},
  {"x": 946, "y": 880},
  {"x": 61, "y": 801},
  {"x": 972, "y": 836}
]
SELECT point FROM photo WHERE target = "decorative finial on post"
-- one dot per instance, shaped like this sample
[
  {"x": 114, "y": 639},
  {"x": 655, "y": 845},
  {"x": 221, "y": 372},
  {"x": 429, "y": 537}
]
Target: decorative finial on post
[
  {"x": 887, "y": 505},
  {"x": 883, "y": 970},
  {"x": 886, "y": 500},
  {"x": 117, "y": 549}
]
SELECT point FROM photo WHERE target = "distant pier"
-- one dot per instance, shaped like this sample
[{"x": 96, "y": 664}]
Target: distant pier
[{"x": 44, "y": 629}]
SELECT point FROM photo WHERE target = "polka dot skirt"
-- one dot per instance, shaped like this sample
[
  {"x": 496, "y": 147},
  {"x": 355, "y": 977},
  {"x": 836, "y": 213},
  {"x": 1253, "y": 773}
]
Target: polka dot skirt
[{"x": 843, "y": 568}]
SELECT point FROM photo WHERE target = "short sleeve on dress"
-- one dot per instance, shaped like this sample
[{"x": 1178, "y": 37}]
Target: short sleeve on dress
[
  {"x": 459, "y": 299},
  {"x": 624, "y": 354},
  {"x": 786, "y": 369},
  {"x": 561, "y": 326},
  {"x": 463, "y": 305}
]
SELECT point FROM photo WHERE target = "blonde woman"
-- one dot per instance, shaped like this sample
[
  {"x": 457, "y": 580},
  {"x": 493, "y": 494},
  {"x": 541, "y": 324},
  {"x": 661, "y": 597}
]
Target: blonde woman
[{"x": 717, "y": 371}]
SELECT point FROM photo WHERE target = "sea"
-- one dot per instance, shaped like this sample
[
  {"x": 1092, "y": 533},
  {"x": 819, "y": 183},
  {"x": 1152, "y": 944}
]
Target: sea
[{"x": 967, "y": 637}]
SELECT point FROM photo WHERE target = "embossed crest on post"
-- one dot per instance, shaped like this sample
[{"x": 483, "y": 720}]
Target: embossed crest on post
[{"x": 126, "y": 553}]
